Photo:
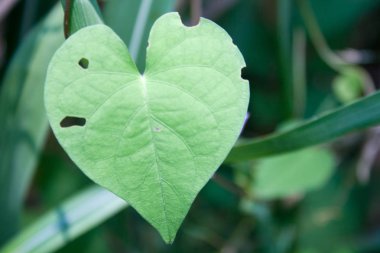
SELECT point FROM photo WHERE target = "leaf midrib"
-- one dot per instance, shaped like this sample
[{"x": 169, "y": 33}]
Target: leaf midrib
[{"x": 145, "y": 96}]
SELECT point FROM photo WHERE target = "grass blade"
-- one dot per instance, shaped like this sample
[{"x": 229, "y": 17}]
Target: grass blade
[
  {"x": 25, "y": 126},
  {"x": 140, "y": 25},
  {"x": 359, "y": 115},
  {"x": 74, "y": 217},
  {"x": 132, "y": 21}
]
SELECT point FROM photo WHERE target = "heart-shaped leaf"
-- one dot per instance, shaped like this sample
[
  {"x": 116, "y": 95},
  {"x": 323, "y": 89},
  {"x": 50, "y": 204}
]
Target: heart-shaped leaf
[{"x": 153, "y": 139}]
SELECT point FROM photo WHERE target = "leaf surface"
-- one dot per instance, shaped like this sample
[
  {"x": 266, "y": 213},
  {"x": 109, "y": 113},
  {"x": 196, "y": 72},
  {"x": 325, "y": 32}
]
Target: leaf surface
[
  {"x": 292, "y": 173},
  {"x": 153, "y": 139}
]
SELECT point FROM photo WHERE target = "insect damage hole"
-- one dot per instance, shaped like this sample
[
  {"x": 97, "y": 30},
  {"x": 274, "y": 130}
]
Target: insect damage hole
[
  {"x": 244, "y": 73},
  {"x": 70, "y": 121},
  {"x": 83, "y": 63}
]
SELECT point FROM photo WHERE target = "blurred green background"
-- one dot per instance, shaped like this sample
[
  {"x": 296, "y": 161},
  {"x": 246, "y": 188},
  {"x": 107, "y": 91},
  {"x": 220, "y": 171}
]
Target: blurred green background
[{"x": 303, "y": 59}]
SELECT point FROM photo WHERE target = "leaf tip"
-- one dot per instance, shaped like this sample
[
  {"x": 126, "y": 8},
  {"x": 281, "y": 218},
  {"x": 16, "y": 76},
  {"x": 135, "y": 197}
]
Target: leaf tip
[
  {"x": 168, "y": 239},
  {"x": 168, "y": 235}
]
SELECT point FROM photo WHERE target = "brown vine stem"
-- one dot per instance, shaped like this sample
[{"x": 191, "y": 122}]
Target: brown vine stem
[
  {"x": 228, "y": 185},
  {"x": 67, "y": 18},
  {"x": 196, "y": 11},
  {"x": 217, "y": 8}
]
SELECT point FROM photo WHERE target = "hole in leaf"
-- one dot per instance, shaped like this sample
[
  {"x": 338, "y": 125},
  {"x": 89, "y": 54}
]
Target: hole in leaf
[
  {"x": 70, "y": 121},
  {"x": 83, "y": 63},
  {"x": 244, "y": 73}
]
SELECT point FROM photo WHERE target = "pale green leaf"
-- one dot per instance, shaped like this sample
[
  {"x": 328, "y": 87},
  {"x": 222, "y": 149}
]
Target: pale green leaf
[
  {"x": 153, "y": 139},
  {"x": 292, "y": 173}
]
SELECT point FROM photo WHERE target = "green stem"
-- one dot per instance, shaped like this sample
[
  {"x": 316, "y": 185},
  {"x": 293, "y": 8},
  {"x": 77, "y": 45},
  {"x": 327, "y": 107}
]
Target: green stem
[
  {"x": 317, "y": 38},
  {"x": 299, "y": 72},
  {"x": 284, "y": 24}
]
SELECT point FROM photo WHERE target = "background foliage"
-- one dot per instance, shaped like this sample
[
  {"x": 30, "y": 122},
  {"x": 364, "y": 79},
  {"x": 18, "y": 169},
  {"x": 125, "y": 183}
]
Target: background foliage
[{"x": 318, "y": 199}]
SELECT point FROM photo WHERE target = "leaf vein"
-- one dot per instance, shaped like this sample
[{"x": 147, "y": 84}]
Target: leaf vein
[
  {"x": 205, "y": 105},
  {"x": 179, "y": 67}
]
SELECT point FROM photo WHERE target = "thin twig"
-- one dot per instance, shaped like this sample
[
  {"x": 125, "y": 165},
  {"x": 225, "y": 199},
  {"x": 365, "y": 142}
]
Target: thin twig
[
  {"x": 67, "y": 19},
  {"x": 238, "y": 237},
  {"x": 180, "y": 5},
  {"x": 217, "y": 8},
  {"x": 317, "y": 38},
  {"x": 196, "y": 11},
  {"x": 228, "y": 185},
  {"x": 368, "y": 155},
  {"x": 371, "y": 147}
]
